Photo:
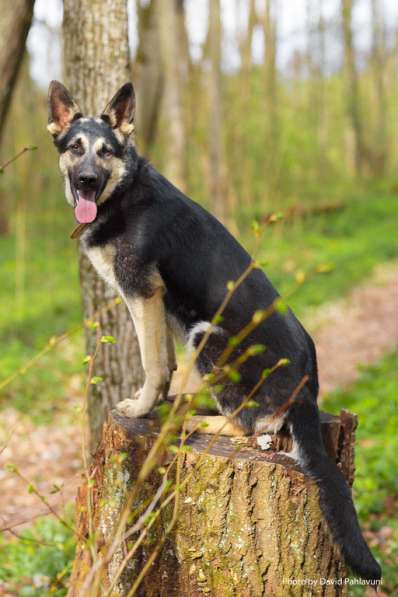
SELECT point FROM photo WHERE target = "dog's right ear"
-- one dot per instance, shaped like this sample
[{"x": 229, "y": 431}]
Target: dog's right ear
[{"x": 62, "y": 109}]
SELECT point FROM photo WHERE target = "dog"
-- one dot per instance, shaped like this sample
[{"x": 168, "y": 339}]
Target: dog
[{"x": 171, "y": 261}]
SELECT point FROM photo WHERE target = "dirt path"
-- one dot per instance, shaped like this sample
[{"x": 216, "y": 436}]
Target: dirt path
[{"x": 356, "y": 330}]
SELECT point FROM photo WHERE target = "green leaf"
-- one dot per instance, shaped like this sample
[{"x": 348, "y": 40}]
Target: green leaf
[
  {"x": 255, "y": 226},
  {"x": 258, "y": 317},
  {"x": 97, "y": 379},
  {"x": 108, "y": 340},
  {"x": 280, "y": 306},
  {"x": 255, "y": 349},
  {"x": 233, "y": 374},
  {"x": 325, "y": 268},
  {"x": 230, "y": 286},
  {"x": 283, "y": 362},
  {"x": 252, "y": 404}
]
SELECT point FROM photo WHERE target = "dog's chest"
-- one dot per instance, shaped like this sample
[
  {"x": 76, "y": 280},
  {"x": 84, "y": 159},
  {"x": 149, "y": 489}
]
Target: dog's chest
[{"x": 103, "y": 259}]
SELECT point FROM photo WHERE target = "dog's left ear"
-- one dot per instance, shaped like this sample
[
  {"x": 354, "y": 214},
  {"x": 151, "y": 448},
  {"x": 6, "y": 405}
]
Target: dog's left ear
[
  {"x": 121, "y": 110},
  {"x": 62, "y": 109}
]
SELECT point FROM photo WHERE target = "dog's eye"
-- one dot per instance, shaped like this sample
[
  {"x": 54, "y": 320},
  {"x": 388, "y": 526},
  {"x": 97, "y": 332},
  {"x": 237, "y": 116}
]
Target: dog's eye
[
  {"x": 105, "y": 152},
  {"x": 75, "y": 147}
]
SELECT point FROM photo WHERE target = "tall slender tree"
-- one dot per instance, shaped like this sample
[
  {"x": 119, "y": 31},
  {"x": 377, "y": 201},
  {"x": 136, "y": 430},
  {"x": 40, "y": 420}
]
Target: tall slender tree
[
  {"x": 15, "y": 22},
  {"x": 271, "y": 90},
  {"x": 316, "y": 60},
  {"x": 96, "y": 63},
  {"x": 169, "y": 31},
  {"x": 217, "y": 166},
  {"x": 352, "y": 87},
  {"x": 148, "y": 75},
  {"x": 246, "y": 41},
  {"x": 379, "y": 73}
]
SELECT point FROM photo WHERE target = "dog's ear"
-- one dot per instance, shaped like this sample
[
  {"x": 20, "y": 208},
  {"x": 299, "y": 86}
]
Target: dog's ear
[
  {"x": 62, "y": 109},
  {"x": 121, "y": 110}
]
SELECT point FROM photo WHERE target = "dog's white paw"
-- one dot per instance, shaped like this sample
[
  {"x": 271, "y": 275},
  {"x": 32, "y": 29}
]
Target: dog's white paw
[
  {"x": 131, "y": 408},
  {"x": 264, "y": 442}
]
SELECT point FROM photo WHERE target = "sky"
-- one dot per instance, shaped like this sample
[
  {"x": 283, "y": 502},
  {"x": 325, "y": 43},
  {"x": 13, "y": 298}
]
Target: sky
[{"x": 45, "y": 49}]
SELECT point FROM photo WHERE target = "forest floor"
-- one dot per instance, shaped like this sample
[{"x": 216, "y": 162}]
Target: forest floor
[{"x": 349, "y": 333}]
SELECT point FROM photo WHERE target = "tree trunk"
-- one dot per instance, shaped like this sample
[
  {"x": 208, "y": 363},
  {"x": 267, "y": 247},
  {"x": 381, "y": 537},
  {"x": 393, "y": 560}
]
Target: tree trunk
[
  {"x": 15, "y": 22},
  {"x": 148, "y": 75},
  {"x": 217, "y": 166},
  {"x": 378, "y": 65},
  {"x": 316, "y": 62},
  {"x": 246, "y": 43},
  {"x": 240, "y": 150},
  {"x": 16, "y": 18},
  {"x": 352, "y": 87},
  {"x": 271, "y": 92},
  {"x": 169, "y": 29},
  {"x": 96, "y": 64},
  {"x": 248, "y": 521}
]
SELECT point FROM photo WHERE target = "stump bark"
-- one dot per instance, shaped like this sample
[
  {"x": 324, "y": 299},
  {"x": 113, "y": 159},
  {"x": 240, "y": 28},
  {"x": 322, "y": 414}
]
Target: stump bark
[{"x": 248, "y": 523}]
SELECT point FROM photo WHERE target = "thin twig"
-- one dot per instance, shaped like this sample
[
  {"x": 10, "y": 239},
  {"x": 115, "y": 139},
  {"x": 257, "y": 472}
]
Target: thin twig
[{"x": 18, "y": 155}]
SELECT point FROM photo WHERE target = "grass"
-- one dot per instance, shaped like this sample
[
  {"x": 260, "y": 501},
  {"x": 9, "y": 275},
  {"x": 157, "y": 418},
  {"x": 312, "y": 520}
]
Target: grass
[
  {"x": 45, "y": 303},
  {"x": 38, "y": 563},
  {"x": 349, "y": 242},
  {"x": 374, "y": 398}
]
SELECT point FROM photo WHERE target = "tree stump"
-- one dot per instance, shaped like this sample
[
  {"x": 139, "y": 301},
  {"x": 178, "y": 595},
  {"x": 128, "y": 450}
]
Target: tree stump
[{"x": 248, "y": 523}]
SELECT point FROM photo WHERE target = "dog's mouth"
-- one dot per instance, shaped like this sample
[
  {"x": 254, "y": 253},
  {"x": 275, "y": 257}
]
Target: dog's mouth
[{"x": 86, "y": 207}]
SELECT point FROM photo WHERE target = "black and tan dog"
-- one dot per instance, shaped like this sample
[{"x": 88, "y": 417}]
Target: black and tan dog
[{"x": 171, "y": 262}]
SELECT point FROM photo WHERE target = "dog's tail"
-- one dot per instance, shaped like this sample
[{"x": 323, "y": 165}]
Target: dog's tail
[{"x": 335, "y": 495}]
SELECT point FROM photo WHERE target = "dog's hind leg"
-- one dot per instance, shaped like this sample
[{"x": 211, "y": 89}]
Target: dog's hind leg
[{"x": 152, "y": 331}]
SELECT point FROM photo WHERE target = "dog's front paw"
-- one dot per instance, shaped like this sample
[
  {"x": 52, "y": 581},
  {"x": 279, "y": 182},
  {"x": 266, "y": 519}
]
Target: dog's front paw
[{"x": 131, "y": 408}]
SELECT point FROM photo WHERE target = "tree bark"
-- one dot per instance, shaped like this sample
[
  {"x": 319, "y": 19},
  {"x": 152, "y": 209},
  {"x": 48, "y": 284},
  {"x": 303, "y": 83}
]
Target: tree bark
[
  {"x": 352, "y": 87},
  {"x": 148, "y": 75},
  {"x": 248, "y": 520},
  {"x": 15, "y": 22},
  {"x": 246, "y": 42},
  {"x": 378, "y": 64},
  {"x": 241, "y": 176},
  {"x": 271, "y": 93},
  {"x": 217, "y": 164},
  {"x": 96, "y": 59},
  {"x": 169, "y": 29}
]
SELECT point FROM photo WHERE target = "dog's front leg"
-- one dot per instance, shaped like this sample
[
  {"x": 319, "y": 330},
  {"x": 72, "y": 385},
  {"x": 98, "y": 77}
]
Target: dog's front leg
[{"x": 151, "y": 327}]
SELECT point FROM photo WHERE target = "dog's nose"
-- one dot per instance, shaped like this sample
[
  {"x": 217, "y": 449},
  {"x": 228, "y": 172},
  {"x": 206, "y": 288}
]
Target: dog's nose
[{"x": 87, "y": 179}]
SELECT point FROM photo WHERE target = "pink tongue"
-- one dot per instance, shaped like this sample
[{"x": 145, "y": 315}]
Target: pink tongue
[{"x": 86, "y": 208}]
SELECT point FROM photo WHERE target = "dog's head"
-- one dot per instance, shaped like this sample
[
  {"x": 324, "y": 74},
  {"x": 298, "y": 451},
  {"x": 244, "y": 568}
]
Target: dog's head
[{"x": 91, "y": 149}]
